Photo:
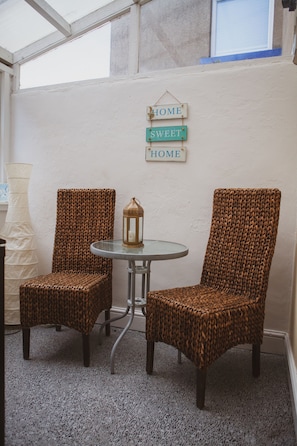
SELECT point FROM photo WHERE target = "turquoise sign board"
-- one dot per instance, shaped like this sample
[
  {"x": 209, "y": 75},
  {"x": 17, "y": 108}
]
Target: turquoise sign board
[{"x": 171, "y": 133}]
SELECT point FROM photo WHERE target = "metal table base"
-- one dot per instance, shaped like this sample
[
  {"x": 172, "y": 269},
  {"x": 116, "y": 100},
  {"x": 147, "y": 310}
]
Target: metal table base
[
  {"x": 151, "y": 250},
  {"x": 133, "y": 302}
]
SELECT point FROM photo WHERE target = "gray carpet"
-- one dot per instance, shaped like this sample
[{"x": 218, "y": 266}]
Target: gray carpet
[{"x": 53, "y": 400}]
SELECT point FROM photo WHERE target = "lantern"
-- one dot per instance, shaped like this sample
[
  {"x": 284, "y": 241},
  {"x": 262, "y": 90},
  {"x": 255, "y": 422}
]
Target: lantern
[{"x": 133, "y": 225}]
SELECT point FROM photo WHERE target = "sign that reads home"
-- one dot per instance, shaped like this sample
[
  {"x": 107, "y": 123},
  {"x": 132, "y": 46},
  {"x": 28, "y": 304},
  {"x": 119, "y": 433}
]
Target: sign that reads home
[
  {"x": 172, "y": 133},
  {"x": 177, "y": 154},
  {"x": 170, "y": 111}
]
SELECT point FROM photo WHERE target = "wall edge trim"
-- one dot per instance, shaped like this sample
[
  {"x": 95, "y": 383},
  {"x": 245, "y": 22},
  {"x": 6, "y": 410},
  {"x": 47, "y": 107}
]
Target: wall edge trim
[{"x": 292, "y": 377}]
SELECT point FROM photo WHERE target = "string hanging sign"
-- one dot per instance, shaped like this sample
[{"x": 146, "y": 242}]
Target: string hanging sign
[{"x": 168, "y": 133}]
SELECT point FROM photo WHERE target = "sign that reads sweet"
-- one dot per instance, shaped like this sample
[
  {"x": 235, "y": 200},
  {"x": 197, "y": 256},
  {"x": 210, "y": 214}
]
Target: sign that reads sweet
[
  {"x": 170, "y": 111},
  {"x": 177, "y": 154},
  {"x": 172, "y": 133}
]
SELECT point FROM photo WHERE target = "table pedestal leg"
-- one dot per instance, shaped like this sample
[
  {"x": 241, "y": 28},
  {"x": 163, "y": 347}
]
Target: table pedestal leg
[{"x": 132, "y": 302}]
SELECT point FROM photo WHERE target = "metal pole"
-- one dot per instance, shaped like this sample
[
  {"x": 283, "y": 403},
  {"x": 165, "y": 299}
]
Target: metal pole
[{"x": 2, "y": 370}]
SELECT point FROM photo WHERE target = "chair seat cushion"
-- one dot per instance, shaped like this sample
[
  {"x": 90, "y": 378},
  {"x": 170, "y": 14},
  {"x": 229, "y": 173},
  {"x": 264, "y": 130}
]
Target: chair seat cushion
[
  {"x": 66, "y": 298},
  {"x": 203, "y": 322},
  {"x": 201, "y": 299},
  {"x": 65, "y": 279}
]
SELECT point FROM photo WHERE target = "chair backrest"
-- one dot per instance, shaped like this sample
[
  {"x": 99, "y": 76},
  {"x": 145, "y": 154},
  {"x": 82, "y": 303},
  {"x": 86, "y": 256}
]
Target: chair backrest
[
  {"x": 242, "y": 240},
  {"x": 83, "y": 217}
]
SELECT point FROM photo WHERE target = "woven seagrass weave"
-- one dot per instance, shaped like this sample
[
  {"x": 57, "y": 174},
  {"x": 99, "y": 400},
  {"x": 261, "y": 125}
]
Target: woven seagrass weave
[
  {"x": 227, "y": 307},
  {"x": 80, "y": 285}
]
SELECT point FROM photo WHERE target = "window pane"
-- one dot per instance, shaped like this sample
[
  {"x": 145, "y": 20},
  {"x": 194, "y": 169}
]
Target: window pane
[
  {"x": 21, "y": 25},
  {"x": 119, "y": 45},
  {"x": 87, "y": 57},
  {"x": 242, "y": 26},
  {"x": 173, "y": 33}
]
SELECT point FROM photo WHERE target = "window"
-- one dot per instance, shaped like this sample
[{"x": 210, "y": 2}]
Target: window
[
  {"x": 87, "y": 57},
  {"x": 216, "y": 31},
  {"x": 173, "y": 33},
  {"x": 241, "y": 26},
  {"x": 6, "y": 74}
]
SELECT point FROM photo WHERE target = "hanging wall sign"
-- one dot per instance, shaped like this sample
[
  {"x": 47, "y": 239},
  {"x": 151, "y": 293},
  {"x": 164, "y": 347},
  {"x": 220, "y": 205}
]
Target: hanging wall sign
[
  {"x": 170, "y": 139},
  {"x": 172, "y": 133},
  {"x": 171, "y": 111},
  {"x": 177, "y": 154}
]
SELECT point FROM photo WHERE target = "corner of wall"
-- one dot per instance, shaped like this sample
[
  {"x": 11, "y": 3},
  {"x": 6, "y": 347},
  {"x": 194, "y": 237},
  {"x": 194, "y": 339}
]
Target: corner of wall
[{"x": 293, "y": 378}]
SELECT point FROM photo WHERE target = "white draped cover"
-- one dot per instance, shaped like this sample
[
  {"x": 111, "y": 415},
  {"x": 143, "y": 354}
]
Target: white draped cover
[{"x": 21, "y": 261}]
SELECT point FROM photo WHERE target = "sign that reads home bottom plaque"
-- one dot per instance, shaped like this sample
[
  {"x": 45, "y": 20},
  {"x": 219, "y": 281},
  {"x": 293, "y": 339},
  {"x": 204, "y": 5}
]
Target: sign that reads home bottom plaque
[{"x": 177, "y": 154}]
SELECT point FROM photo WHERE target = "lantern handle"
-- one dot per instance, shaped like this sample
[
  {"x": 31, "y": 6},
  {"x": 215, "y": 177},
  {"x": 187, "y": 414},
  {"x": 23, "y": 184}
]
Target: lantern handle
[{"x": 136, "y": 200}]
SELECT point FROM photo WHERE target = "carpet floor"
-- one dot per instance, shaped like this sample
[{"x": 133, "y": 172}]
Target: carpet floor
[{"x": 53, "y": 400}]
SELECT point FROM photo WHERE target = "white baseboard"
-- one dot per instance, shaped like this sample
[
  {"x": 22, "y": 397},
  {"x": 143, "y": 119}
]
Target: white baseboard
[
  {"x": 273, "y": 341},
  {"x": 138, "y": 323}
]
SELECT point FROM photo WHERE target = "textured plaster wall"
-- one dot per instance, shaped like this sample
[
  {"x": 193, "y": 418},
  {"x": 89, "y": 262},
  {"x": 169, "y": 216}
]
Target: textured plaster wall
[
  {"x": 2, "y": 215},
  {"x": 242, "y": 133}
]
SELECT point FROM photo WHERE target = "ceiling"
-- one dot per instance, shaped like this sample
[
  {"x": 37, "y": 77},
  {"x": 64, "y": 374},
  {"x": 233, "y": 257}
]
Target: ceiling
[{"x": 31, "y": 27}]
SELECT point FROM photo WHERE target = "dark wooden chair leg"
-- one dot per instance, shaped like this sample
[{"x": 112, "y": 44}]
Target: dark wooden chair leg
[
  {"x": 256, "y": 360},
  {"x": 107, "y": 326},
  {"x": 58, "y": 328},
  {"x": 200, "y": 388},
  {"x": 26, "y": 343},
  {"x": 86, "y": 349},
  {"x": 150, "y": 347},
  {"x": 179, "y": 356}
]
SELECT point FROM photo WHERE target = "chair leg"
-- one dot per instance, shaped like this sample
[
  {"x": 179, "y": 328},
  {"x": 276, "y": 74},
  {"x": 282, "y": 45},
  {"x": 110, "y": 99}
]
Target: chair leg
[
  {"x": 107, "y": 326},
  {"x": 200, "y": 388},
  {"x": 179, "y": 357},
  {"x": 256, "y": 360},
  {"x": 150, "y": 347},
  {"x": 26, "y": 343},
  {"x": 58, "y": 327},
  {"x": 86, "y": 349}
]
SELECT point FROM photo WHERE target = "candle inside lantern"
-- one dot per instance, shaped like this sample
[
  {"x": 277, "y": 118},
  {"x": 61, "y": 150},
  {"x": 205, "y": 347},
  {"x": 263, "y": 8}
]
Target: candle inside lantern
[{"x": 131, "y": 236}]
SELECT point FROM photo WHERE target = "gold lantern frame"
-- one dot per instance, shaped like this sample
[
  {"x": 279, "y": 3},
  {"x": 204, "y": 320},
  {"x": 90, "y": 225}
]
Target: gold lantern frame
[{"x": 133, "y": 224}]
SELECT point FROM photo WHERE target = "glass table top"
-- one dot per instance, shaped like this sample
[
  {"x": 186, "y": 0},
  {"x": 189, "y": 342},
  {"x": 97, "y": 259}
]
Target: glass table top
[{"x": 152, "y": 250}]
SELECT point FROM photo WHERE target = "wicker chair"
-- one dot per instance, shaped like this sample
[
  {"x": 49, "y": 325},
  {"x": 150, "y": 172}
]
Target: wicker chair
[
  {"x": 79, "y": 287},
  {"x": 227, "y": 307}
]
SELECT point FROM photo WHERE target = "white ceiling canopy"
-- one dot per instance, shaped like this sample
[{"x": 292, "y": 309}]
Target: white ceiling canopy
[{"x": 31, "y": 27}]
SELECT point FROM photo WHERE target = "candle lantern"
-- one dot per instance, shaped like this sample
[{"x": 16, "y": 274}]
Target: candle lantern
[{"x": 133, "y": 225}]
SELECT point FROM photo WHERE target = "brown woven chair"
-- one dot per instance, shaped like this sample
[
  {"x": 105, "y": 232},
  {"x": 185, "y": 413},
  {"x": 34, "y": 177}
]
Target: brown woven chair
[
  {"x": 80, "y": 285},
  {"x": 227, "y": 307}
]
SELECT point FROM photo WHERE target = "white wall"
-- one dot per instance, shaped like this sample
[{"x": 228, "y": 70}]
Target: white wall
[{"x": 242, "y": 133}]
